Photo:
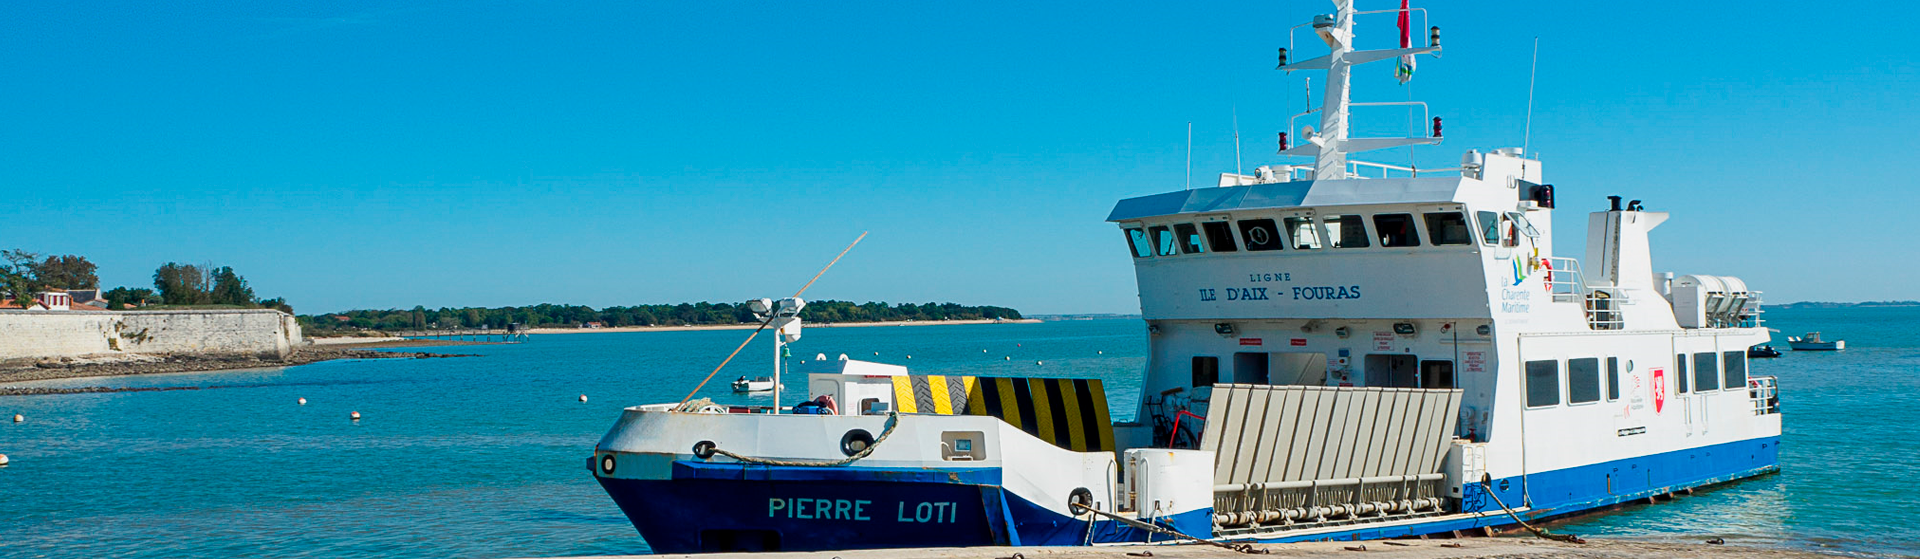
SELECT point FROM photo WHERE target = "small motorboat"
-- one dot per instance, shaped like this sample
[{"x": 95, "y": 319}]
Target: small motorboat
[
  {"x": 1762, "y": 351},
  {"x": 1812, "y": 342},
  {"x": 757, "y": 384}
]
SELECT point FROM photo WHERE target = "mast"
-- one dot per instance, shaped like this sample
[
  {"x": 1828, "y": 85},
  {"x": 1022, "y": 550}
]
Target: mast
[
  {"x": 1330, "y": 145},
  {"x": 1337, "y": 32}
]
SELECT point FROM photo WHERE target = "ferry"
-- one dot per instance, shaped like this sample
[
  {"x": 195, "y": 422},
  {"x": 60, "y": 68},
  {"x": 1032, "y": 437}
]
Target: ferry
[{"x": 1339, "y": 350}]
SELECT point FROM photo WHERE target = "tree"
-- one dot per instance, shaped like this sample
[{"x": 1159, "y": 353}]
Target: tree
[
  {"x": 182, "y": 284},
  {"x": 230, "y": 289},
  {"x": 17, "y": 277},
  {"x": 118, "y": 297},
  {"x": 67, "y": 272},
  {"x": 278, "y": 304}
]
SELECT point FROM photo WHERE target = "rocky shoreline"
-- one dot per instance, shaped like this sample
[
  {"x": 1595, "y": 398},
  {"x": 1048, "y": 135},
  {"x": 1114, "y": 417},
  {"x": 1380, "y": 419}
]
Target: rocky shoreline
[{"x": 69, "y": 367}]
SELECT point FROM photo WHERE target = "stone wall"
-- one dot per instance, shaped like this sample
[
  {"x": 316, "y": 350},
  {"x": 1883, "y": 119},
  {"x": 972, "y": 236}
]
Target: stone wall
[{"x": 261, "y": 333}]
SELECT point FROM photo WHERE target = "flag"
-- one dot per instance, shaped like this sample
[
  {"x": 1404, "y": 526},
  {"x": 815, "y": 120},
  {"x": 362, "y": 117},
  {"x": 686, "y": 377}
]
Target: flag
[{"x": 1404, "y": 69}]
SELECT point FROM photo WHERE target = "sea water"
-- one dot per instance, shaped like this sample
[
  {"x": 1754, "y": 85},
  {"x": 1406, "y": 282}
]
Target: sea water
[{"x": 487, "y": 456}]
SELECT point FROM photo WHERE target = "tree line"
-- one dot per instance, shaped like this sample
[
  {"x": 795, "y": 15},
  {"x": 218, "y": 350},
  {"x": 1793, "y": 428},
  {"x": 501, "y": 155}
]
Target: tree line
[
  {"x": 702, "y": 313},
  {"x": 24, "y": 274}
]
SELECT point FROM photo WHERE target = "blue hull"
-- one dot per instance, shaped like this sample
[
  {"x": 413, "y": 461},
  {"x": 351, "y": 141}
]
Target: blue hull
[
  {"x": 731, "y": 507},
  {"x": 1588, "y": 488}
]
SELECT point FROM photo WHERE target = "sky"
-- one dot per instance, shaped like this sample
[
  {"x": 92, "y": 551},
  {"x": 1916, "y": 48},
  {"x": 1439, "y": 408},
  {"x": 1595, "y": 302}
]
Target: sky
[{"x": 384, "y": 155}]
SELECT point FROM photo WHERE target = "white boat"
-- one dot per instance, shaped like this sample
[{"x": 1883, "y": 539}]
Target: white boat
[
  {"x": 1330, "y": 357},
  {"x": 756, "y": 384},
  {"x": 1812, "y": 342}
]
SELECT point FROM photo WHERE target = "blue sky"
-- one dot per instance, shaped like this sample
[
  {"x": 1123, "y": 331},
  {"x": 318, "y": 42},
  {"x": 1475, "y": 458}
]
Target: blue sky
[{"x": 363, "y": 155}]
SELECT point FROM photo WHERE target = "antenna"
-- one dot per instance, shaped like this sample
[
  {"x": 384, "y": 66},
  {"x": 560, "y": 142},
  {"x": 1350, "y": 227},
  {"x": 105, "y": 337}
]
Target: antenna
[
  {"x": 1527, "y": 140},
  {"x": 1236, "y": 142},
  {"x": 1189, "y": 155}
]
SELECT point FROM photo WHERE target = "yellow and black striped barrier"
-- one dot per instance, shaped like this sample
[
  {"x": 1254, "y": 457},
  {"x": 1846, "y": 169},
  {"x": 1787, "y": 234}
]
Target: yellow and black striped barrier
[{"x": 1068, "y": 412}]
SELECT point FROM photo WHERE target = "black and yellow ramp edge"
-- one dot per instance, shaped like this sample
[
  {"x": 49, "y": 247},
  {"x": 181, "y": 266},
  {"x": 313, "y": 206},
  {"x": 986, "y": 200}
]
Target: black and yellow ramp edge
[{"x": 1071, "y": 413}]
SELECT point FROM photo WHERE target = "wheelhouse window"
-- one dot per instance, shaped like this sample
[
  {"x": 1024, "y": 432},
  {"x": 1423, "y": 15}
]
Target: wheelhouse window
[
  {"x": 1137, "y": 240},
  {"x": 1219, "y": 236},
  {"x": 1163, "y": 241},
  {"x": 1583, "y": 380},
  {"x": 1543, "y": 383},
  {"x": 1261, "y": 234},
  {"x": 1734, "y": 369},
  {"x": 1706, "y": 373},
  {"x": 1189, "y": 238},
  {"x": 1396, "y": 230},
  {"x": 1680, "y": 373},
  {"x": 1347, "y": 231},
  {"x": 1489, "y": 228},
  {"x": 1301, "y": 233},
  {"x": 1613, "y": 378},
  {"x": 1448, "y": 228},
  {"x": 1206, "y": 370}
]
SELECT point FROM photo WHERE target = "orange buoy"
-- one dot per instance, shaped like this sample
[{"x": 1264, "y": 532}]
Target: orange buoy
[
  {"x": 303, "y": 401},
  {"x": 583, "y": 398},
  {"x": 3, "y": 459},
  {"x": 19, "y": 418},
  {"x": 354, "y": 415}
]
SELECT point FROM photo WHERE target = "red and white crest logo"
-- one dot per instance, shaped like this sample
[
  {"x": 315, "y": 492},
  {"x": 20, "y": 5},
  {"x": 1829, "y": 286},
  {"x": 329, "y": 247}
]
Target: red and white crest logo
[{"x": 1659, "y": 389}]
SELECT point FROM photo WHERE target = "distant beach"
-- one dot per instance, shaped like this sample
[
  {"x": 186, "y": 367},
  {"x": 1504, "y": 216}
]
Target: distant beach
[{"x": 752, "y": 326}]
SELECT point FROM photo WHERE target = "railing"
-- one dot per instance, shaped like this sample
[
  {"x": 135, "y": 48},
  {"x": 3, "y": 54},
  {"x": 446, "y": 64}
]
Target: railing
[
  {"x": 1564, "y": 279},
  {"x": 1256, "y": 507},
  {"x": 1765, "y": 393}
]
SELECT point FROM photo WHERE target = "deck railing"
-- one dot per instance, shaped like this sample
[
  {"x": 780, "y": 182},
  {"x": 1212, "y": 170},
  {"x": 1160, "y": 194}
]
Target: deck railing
[{"x": 1765, "y": 393}]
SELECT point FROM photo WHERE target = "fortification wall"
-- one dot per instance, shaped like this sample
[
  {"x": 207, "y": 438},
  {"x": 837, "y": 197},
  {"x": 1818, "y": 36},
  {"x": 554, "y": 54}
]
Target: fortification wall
[{"x": 261, "y": 333}]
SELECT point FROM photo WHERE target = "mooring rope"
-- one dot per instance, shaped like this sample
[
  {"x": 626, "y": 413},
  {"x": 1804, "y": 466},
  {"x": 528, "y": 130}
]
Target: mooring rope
[
  {"x": 1240, "y": 547},
  {"x": 893, "y": 420},
  {"x": 1486, "y": 482}
]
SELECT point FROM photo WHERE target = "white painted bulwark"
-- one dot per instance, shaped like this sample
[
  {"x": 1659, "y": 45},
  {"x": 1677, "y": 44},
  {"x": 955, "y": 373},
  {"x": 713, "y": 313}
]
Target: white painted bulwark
[{"x": 261, "y": 333}]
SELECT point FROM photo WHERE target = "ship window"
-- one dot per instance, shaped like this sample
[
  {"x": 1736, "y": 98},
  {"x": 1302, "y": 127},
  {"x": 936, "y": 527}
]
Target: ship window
[
  {"x": 1734, "y": 369},
  {"x": 1219, "y": 236},
  {"x": 1613, "y": 378},
  {"x": 1489, "y": 228},
  {"x": 1526, "y": 227},
  {"x": 1396, "y": 230},
  {"x": 1448, "y": 228},
  {"x": 1261, "y": 234},
  {"x": 1706, "y": 373},
  {"x": 1583, "y": 380},
  {"x": 1189, "y": 238},
  {"x": 1301, "y": 233},
  {"x": 1163, "y": 241},
  {"x": 1347, "y": 231},
  {"x": 1137, "y": 240},
  {"x": 1543, "y": 383},
  {"x": 1680, "y": 372},
  {"x": 1206, "y": 370}
]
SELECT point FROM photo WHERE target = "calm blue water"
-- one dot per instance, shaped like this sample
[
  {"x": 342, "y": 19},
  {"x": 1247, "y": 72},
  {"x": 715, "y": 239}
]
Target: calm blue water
[{"x": 485, "y": 456}]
